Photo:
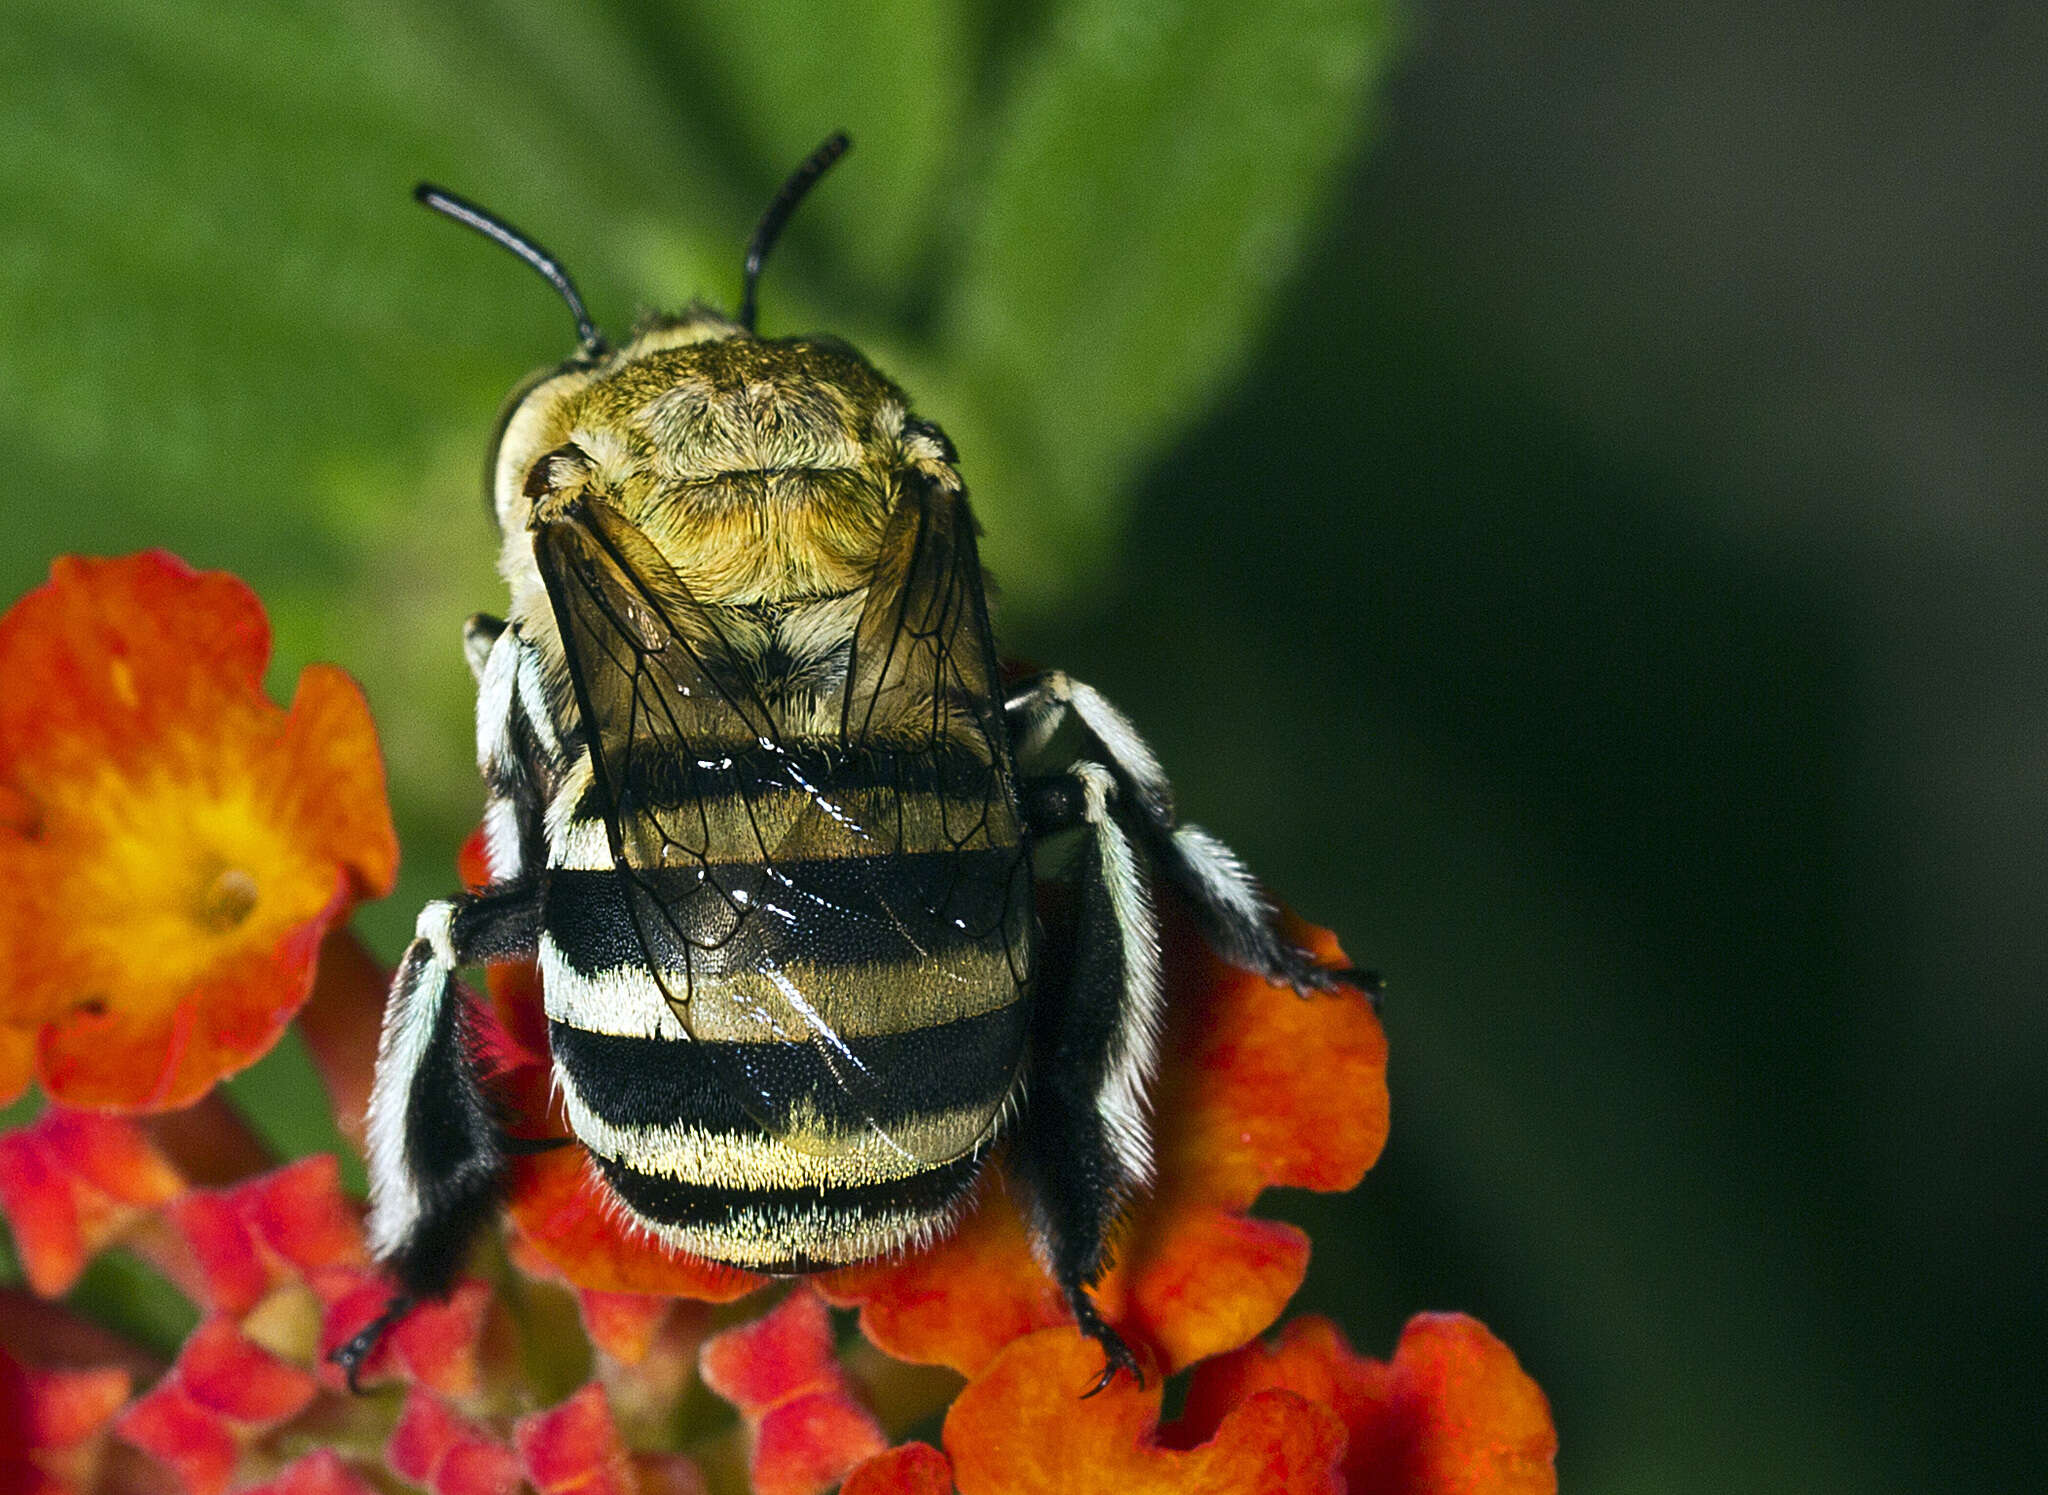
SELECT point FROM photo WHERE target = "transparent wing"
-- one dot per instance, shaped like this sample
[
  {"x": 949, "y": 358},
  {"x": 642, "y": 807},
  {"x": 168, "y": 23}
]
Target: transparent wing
[
  {"x": 946, "y": 878},
  {"x": 724, "y": 834}
]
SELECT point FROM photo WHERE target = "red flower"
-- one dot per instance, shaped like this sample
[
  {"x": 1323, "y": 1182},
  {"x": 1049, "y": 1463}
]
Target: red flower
[
  {"x": 224, "y": 1393},
  {"x": 53, "y": 1425},
  {"x": 172, "y": 845},
  {"x": 72, "y": 1184}
]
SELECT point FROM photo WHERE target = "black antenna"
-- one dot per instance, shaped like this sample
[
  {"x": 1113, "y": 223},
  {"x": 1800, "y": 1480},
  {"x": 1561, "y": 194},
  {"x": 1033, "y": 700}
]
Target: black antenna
[
  {"x": 770, "y": 227},
  {"x": 500, "y": 232}
]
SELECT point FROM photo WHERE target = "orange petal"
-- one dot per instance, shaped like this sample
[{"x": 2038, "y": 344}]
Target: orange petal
[
  {"x": 331, "y": 780},
  {"x": 163, "y": 1057},
  {"x": 17, "y": 1047},
  {"x": 1023, "y": 1427},
  {"x": 959, "y": 1302},
  {"x": 1452, "y": 1413},
  {"x": 71, "y": 1184},
  {"x": 1212, "y": 1281},
  {"x": 1266, "y": 1088},
  {"x": 570, "y": 1222},
  {"x": 173, "y": 845},
  {"x": 909, "y": 1469},
  {"x": 1260, "y": 1087},
  {"x": 111, "y": 651}
]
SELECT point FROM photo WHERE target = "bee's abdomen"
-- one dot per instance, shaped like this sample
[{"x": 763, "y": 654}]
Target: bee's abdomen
[
  {"x": 800, "y": 1061},
  {"x": 761, "y": 1154}
]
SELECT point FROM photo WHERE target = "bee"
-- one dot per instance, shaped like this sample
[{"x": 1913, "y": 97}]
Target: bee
[{"x": 763, "y": 807}]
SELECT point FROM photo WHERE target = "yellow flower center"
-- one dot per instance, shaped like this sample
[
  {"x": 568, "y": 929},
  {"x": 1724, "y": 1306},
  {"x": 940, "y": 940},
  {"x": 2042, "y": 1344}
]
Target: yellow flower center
[{"x": 172, "y": 871}]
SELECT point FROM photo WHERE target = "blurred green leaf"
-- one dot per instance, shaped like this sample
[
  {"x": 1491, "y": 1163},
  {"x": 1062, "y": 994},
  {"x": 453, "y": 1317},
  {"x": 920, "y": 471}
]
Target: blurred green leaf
[
  {"x": 766, "y": 81},
  {"x": 1157, "y": 168}
]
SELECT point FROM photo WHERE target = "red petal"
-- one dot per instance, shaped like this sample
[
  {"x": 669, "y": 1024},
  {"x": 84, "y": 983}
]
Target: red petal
[
  {"x": 1023, "y": 1427},
  {"x": 909, "y": 1469},
  {"x": 249, "y": 1238},
  {"x": 435, "y": 1345},
  {"x": 575, "y": 1448},
  {"x": 807, "y": 1444},
  {"x": 70, "y": 1406},
  {"x": 626, "y": 1326},
  {"x": 785, "y": 1352},
  {"x": 222, "y": 1394},
  {"x": 237, "y": 1380},
  {"x": 431, "y": 1446},
  {"x": 195, "y": 1444},
  {"x": 52, "y": 1424},
  {"x": 73, "y": 1183},
  {"x": 322, "y": 1472},
  {"x": 783, "y": 1374},
  {"x": 1452, "y": 1414}
]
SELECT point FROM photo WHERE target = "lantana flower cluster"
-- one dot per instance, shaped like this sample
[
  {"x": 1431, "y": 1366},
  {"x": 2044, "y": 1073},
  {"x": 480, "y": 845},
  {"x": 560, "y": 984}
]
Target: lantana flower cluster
[{"x": 179, "y": 858}]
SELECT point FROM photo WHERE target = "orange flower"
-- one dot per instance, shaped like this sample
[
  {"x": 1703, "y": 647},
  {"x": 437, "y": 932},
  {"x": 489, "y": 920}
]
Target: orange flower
[
  {"x": 1015, "y": 1431},
  {"x": 174, "y": 851},
  {"x": 172, "y": 845},
  {"x": 1451, "y": 1412},
  {"x": 1237, "y": 1111}
]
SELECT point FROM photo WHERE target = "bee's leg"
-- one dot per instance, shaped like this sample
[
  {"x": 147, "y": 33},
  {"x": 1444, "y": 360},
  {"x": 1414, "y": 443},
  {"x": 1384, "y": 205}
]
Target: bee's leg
[
  {"x": 436, "y": 1153},
  {"x": 479, "y": 634},
  {"x": 1235, "y": 913},
  {"x": 1085, "y": 1144},
  {"x": 518, "y": 750}
]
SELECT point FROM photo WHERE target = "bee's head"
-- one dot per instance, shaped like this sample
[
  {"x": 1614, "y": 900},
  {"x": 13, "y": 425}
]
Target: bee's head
[{"x": 763, "y": 469}]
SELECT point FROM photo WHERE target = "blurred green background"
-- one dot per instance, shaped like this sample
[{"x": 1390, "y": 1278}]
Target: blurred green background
[{"x": 1561, "y": 485}]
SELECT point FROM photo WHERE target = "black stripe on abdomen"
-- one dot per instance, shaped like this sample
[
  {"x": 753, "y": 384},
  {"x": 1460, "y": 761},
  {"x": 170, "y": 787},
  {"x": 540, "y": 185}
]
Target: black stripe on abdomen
[
  {"x": 709, "y": 1207},
  {"x": 831, "y": 911},
  {"x": 658, "y": 1082}
]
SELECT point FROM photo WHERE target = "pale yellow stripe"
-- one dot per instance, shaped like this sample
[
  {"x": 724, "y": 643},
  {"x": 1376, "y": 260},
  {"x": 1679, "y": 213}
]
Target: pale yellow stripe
[
  {"x": 742, "y": 1162},
  {"x": 792, "y": 1005}
]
